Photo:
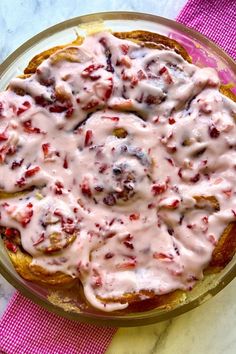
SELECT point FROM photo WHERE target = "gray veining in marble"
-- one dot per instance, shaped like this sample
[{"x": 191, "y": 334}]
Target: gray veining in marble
[
  {"x": 208, "y": 329},
  {"x": 21, "y": 19},
  {"x": 6, "y": 291}
]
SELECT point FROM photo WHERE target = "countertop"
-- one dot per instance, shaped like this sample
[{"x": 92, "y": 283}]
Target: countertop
[{"x": 211, "y": 327}]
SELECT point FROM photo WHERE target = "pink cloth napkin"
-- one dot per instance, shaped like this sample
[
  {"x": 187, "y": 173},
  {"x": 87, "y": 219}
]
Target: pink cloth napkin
[
  {"x": 26, "y": 328},
  {"x": 214, "y": 18}
]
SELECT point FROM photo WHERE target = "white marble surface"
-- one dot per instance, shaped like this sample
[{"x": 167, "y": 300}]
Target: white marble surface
[
  {"x": 22, "y": 19},
  {"x": 208, "y": 329}
]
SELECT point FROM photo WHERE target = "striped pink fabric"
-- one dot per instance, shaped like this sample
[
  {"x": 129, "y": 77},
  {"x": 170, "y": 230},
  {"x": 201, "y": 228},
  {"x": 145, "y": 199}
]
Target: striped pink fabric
[
  {"x": 214, "y": 18},
  {"x": 26, "y": 328}
]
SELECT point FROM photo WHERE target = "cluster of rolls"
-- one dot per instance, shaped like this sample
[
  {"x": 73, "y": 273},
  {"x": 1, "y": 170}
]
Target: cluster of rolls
[{"x": 119, "y": 157}]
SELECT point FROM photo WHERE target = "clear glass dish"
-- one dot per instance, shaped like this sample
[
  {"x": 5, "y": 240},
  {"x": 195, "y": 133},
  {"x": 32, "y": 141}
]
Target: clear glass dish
[{"x": 203, "y": 53}]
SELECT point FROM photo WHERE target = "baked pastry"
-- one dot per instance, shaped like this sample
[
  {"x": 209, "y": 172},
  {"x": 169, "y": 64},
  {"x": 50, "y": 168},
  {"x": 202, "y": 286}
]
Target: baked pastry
[{"x": 119, "y": 156}]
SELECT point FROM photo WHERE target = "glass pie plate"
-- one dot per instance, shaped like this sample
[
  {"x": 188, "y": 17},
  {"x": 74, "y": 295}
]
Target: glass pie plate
[{"x": 203, "y": 53}]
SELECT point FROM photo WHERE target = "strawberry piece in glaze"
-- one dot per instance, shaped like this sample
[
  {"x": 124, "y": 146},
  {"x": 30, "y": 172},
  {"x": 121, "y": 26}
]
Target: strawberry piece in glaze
[{"x": 25, "y": 106}]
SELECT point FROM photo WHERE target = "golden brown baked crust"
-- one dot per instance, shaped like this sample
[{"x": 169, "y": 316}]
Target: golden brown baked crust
[
  {"x": 154, "y": 40},
  {"x": 22, "y": 263},
  {"x": 224, "y": 250},
  {"x": 226, "y": 91},
  {"x": 39, "y": 58}
]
